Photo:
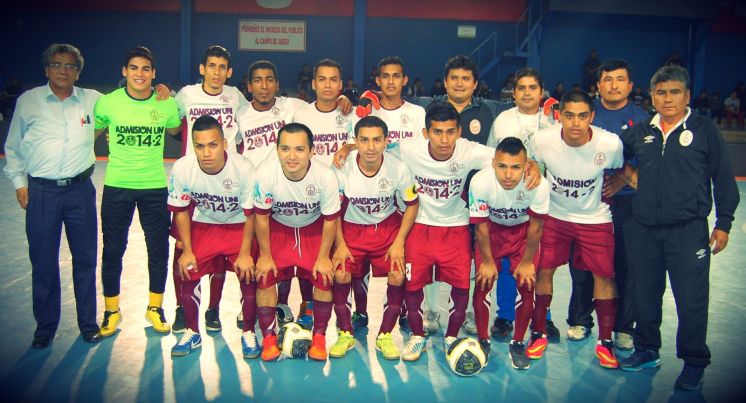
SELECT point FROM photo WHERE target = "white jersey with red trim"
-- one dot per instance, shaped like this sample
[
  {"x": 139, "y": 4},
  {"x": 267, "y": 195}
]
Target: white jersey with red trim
[
  {"x": 440, "y": 184},
  {"x": 258, "y": 129},
  {"x": 221, "y": 198},
  {"x": 576, "y": 174},
  {"x": 372, "y": 199},
  {"x": 296, "y": 203},
  {"x": 489, "y": 200},
  {"x": 404, "y": 123},
  {"x": 512, "y": 123},
  {"x": 331, "y": 130},
  {"x": 194, "y": 102}
]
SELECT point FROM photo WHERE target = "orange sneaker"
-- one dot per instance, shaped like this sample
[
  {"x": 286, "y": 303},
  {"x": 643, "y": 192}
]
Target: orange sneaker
[
  {"x": 318, "y": 347},
  {"x": 270, "y": 351},
  {"x": 536, "y": 347},
  {"x": 605, "y": 354}
]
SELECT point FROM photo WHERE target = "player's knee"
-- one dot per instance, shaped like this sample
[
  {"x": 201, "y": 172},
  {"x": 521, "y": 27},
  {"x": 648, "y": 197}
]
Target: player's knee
[
  {"x": 396, "y": 278},
  {"x": 342, "y": 277},
  {"x": 605, "y": 287},
  {"x": 266, "y": 296},
  {"x": 322, "y": 295}
]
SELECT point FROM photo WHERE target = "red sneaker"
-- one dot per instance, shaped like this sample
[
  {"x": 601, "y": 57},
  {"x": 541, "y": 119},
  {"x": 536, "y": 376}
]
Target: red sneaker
[
  {"x": 318, "y": 347},
  {"x": 605, "y": 354},
  {"x": 270, "y": 350},
  {"x": 536, "y": 347}
]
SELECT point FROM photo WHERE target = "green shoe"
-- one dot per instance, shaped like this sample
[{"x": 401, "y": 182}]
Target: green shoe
[
  {"x": 345, "y": 342},
  {"x": 385, "y": 345}
]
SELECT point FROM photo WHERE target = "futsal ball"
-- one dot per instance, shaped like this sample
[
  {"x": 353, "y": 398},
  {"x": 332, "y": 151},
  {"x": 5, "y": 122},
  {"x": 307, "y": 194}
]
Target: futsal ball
[
  {"x": 465, "y": 356},
  {"x": 294, "y": 340}
]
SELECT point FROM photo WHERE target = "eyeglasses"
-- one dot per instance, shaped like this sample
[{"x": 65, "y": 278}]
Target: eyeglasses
[{"x": 60, "y": 66}]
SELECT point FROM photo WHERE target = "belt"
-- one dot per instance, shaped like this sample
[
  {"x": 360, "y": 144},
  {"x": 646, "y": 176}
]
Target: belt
[{"x": 64, "y": 182}]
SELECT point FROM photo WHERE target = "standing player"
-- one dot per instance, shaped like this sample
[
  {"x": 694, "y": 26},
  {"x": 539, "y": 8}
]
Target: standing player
[
  {"x": 372, "y": 231},
  {"x": 576, "y": 156},
  {"x": 259, "y": 123},
  {"x": 212, "y": 98},
  {"x": 440, "y": 167},
  {"x": 297, "y": 206},
  {"x": 615, "y": 113},
  {"x": 135, "y": 177},
  {"x": 218, "y": 184},
  {"x": 509, "y": 220},
  {"x": 522, "y": 121}
]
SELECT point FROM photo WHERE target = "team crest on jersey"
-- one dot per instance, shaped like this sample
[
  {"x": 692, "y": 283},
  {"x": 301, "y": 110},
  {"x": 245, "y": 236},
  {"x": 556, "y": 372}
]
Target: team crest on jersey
[
  {"x": 599, "y": 159},
  {"x": 340, "y": 119},
  {"x": 227, "y": 185},
  {"x": 520, "y": 196},
  {"x": 384, "y": 185},
  {"x": 258, "y": 141},
  {"x": 130, "y": 140},
  {"x": 310, "y": 191},
  {"x": 475, "y": 127},
  {"x": 404, "y": 120},
  {"x": 155, "y": 116},
  {"x": 225, "y": 98},
  {"x": 276, "y": 110},
  {"x": 454, "y": 167},
  {"x": 685, "y": 138}
]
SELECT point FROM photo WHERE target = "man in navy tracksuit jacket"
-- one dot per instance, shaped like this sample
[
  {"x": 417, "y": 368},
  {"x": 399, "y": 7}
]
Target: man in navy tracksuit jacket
[{"x": 682, "y": 164}]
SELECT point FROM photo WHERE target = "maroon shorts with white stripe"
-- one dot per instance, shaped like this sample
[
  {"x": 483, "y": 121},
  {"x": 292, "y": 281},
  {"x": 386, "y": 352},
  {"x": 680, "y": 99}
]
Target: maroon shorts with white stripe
[{"x": 592, "y": 246}]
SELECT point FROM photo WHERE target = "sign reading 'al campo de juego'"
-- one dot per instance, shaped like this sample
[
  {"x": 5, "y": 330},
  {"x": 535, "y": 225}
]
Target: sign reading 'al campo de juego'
[{"x": 272, "y": 35}]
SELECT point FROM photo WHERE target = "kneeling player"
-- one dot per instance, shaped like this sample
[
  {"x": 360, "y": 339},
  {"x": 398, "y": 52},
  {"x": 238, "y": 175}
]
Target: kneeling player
[
  {"x": 297, "y": 205},
  {"x": 509, "y": 220},
  {"x": 218, "y": 184},
  {"x": 372, "y": 230},
  {"x": 576, "y": 156}
]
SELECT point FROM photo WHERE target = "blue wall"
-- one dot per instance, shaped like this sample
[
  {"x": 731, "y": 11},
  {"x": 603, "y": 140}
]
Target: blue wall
[{"x": 725, "y": 62}]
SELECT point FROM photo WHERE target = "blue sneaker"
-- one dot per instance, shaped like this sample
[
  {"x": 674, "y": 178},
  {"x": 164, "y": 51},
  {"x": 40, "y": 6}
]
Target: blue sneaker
[
  {"x": 188, "y": 342},
  {"x": 305, "y": 316},
  {"x": 249, "y": 345},
  {"x": 639, "y": 360},
  {"x": 359, "y": 321}
]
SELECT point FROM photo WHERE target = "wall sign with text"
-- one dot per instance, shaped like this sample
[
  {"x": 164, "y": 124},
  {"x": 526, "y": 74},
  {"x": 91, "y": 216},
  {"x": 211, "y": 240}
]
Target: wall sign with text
[{"x": 272, "y": 35}]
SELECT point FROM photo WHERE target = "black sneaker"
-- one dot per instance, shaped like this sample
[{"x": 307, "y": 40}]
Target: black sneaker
[
  {"x": 486, "y": 347},
  {"x": 404, "y": 323},
  {"x": 212, "y": 320},
  {"x": 518, "y": 358},
  {"x": 359, "y": 321},
  {"x": 553, "y": 334},
  {"x": 179, "y": 325},
  {"x": 501, "y": 328},
  {"x": 690, "y": 378},
  {"x": 640, "y": 359},
  {"x": 284, "y": 314}
]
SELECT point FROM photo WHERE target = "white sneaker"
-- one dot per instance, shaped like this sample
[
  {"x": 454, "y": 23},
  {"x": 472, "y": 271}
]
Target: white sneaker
[
  {"x": 414, "y": 348},
  {"x": 470, "y": 323},
  {"x": 447, "y": 341},
  {"x": 430, "y": 321},
  {"x": 624, "y": 341},
  {"x": 577, "y": 333}
]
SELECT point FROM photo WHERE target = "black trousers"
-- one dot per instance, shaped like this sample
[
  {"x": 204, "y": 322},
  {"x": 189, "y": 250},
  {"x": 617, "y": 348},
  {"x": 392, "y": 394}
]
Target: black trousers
[
  {"x": 580, "y": 310},
  {"x": 117, "y": 209},
  {"x": 682, "y": 250},
  {"x": 49, "y": 206}
]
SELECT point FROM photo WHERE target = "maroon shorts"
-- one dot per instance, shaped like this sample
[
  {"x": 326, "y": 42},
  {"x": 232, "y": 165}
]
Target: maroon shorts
[
  {"x": 448, "y": 249},
  {"x": 592, "y": 246},
  {"x": 369, "y": 245},
  {"x": 295, "y": 247},
  {"x": 507, "y": 241},
  {"x": 215, "y": 247}
]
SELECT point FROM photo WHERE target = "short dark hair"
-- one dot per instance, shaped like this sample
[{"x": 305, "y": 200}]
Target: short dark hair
[
  {"x": 511, "y": 146},
  {"x": 296, "y": 128},
  {"x": 391, "y": 60},
  {"x": 56, "y": 48},
  {"x": 372, "y": 121},
  {"x": 671, "y": 72},
  {"x": 461, "y": 62},
  {"x": 262, "y": 64},
  {"x": 576, "y": 96},
  {"x": 614, "y": 64},
  {"x": 529, "y": 72},
  {"x": 216, "y": 51},
  {"x": 139, "y": 51},
  {"x": 206, "y": 122},
  {"x": 441, "y": 112},
  {"x": 327, "y": 63}
]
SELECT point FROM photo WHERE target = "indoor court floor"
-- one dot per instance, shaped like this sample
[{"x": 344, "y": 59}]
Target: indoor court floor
[{"x": 136, "y": 365}]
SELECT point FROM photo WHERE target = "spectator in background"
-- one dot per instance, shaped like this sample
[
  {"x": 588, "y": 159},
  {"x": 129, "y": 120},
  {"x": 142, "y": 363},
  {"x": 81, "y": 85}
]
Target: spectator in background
[
  {"x": 590, "y": 69},
  {"x": 418, "y": 90},
  {"x": 701, "y": 104},
  {"x": 733, "y": 109},
  {"x": 351, "y": 91},
  {"x": 244, "y": 88},
  {"x": 593, "y": 91},
  {"x": 576, "y": 87},
  {"x": 303, "y": 95},
  {"x": 639, "y": 95},
  {"x": 675, "y": 60},
  {"x": 647, "y": 106},
  {"x": 559, "y": 91},
  {"x": 484, "y": 90},
  {"x": 438, "y": 88},
  {"x": 717, "y": 108},
  {"x": 371, "y": 84},
  {"x": 506, "y": 93},
  {"x": 741, "y": 92},
  {"x": 304, "y": 78},
  {"x": 8, "y": 99}
]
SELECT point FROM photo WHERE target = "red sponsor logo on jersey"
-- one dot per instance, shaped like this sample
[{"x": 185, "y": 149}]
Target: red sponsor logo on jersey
[{"x": 185, "y": 197}]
